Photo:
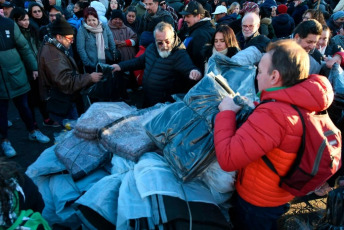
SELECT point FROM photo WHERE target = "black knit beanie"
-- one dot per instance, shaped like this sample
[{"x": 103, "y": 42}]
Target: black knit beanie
[
  {"x": 117, "y": 14},
  {"x": 61, "y": 26}
]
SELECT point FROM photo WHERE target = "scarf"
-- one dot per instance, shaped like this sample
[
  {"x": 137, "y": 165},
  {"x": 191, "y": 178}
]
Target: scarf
[
  {"x": 224, "y": 52},
  {"x": 57, "y": 44},
  {"x": 13, "y": 202},
  {"x": 98, "y": 31}
]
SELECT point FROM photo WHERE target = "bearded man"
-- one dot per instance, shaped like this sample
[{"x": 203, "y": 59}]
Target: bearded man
[{"x": 167, "y": 67}]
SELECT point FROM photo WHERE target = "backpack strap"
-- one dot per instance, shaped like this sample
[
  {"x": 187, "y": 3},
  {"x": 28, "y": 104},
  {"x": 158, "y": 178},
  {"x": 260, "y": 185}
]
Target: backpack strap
[{"x": 300, "y": 151}]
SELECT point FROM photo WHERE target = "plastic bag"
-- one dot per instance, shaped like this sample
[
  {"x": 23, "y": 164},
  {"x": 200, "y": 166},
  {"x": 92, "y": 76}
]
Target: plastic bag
[
  {"x": 240, "y": 74},
  {"x": 334, "y": 217},
  {"x": 112, "y": 86},
  {"x": 80, "y": 156},
  {"x": 217, "y": 179},
  {"x": 219, "y": 182},
  {"x": 336, "y": 78},
  {"x": 184, "y": 130},
  {"x": 336, "y": 110},
  {"x": 99, "y": 115},
  {"x": 126, "y": 136}
]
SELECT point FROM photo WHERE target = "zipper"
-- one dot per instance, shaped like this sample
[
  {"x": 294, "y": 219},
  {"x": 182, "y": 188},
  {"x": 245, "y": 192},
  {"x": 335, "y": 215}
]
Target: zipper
[
  {"x": 320, "y": 153},
  {"x": 2, "y": 75}
]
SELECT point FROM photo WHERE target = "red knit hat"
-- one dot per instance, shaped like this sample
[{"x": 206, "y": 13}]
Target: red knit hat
[{"x": 282, "y": 9}]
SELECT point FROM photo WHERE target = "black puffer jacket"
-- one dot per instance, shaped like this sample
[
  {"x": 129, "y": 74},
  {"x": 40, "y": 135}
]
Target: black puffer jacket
[
  {"x": 283, "y": 25},
  {"x": 199, "y": 34},
  {"x": 226, "y": 20},
  {"x": 148, "y": 22},
  {"x": 257, "y": 40},
  {"x": 162, "y": 76}
]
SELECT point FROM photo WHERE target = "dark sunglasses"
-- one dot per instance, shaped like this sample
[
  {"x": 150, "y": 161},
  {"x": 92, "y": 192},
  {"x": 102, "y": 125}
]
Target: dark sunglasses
[
  {"x": 160, "y": 43},
  {"x": 162, "y": 3},
  {"x": 36, "y": 11}
]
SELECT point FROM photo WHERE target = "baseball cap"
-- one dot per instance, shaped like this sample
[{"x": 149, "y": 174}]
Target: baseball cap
[
  {"x": 193, "y": 8},
  {"x": 220, "y": 10}
]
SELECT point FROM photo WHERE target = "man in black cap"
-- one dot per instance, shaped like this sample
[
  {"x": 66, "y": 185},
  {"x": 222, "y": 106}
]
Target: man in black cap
[
  {"x": 7, "y": 8},
  {"x": 200, "y": 32},
  {"x": 59, "y": 74}
]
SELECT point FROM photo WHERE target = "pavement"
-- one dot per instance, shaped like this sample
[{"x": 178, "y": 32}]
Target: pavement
[{"x": 27, "y": 151}]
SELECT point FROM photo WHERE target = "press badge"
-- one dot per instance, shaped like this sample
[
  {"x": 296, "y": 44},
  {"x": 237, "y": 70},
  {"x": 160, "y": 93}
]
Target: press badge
[{"x": 7, "y": 33}]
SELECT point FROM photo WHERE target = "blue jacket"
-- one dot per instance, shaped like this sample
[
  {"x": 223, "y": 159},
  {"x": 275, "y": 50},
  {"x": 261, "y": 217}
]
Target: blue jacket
[
  {"x": 75, "y": 21},
  {"x": 87, "y": 48}
]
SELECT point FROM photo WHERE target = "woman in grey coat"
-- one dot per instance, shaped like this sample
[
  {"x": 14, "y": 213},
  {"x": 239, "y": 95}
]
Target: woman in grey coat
[{"x": 93, "y": 40}]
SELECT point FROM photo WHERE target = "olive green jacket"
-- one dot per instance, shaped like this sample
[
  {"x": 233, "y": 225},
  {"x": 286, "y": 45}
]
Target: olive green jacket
[{"x": 15, "y": 58}]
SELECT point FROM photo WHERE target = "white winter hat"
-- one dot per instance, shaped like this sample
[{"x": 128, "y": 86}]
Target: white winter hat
[{"x": 220, "y": 10}]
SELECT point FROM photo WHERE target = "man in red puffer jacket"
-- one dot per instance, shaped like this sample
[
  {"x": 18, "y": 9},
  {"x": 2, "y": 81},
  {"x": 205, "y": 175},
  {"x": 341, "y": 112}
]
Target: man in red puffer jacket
[{"x": 273, "y": 129}]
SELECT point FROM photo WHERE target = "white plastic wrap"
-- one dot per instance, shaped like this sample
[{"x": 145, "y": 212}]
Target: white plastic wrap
[
  {"x": 126, "y": 137},
  {"x": 99, "y": 115},
  {"x": 220, "y": 183},
  {"x": 81, "y": 156},
  {"x": 215, "y": 178}
]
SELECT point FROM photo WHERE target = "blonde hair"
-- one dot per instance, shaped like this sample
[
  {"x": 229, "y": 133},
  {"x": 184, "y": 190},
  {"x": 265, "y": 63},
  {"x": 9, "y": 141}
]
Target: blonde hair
[{"x": 231, "y": 8}]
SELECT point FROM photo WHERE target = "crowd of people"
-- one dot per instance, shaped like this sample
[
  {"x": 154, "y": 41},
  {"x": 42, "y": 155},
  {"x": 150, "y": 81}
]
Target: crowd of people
[{"x": 49, "y": 51}]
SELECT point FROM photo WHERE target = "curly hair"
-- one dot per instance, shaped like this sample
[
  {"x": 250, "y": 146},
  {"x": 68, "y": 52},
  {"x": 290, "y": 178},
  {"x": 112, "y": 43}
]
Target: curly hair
[{"x": 8, "y": 174}]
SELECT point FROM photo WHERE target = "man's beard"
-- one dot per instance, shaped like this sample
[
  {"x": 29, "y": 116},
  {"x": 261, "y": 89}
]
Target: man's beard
[{"x": 164, "y": 54}]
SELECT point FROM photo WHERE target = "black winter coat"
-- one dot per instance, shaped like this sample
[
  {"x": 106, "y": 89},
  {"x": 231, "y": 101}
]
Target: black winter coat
[
  {"x": 198, "y": 35},
  {"x": 148, "y": 22},
  {"x": 297, "y": 12},
  {"x": 283, "y": 25},
  {"x": 226, "y": 20},
  {"x": 162, "y": 76},
  {"x": 257, "y": 40}
]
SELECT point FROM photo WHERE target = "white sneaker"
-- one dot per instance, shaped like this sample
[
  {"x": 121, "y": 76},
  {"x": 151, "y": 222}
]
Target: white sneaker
[
  {"x": 8, "y": 149},
  {"x": 9, "y": 123},
  {"x": 38, "y": 136}
]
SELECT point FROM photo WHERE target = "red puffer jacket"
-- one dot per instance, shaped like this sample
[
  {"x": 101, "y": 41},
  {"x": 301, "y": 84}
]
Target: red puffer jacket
[{"x": 273, "y": 129}]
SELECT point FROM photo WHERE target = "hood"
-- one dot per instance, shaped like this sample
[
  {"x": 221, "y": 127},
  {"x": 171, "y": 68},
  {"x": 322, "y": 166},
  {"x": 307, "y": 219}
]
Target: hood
[
  {"x": 230, "y": 17},
  {"x": 99, "y": 7},
  {"x": 178, "y": 44},
  {"x": 315, "y": 92},
  {"x": 203, "y": 23},
  {"x": 141, "y": 5},
  {"x": 111, "y": 26},
  {"x": 266, "y": 21},
  {"x": 281, "y": 19},
  {"x": 268, "y": 4}
]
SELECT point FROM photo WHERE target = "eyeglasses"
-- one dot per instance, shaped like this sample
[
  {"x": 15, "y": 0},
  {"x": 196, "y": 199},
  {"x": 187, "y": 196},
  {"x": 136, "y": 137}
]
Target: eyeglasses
[
  {"x": 248, "y": 26},
  {"x": 160, "y": 43},
  {"x": 70, "y": 39},
  {"x": 36, "y": 11}
]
